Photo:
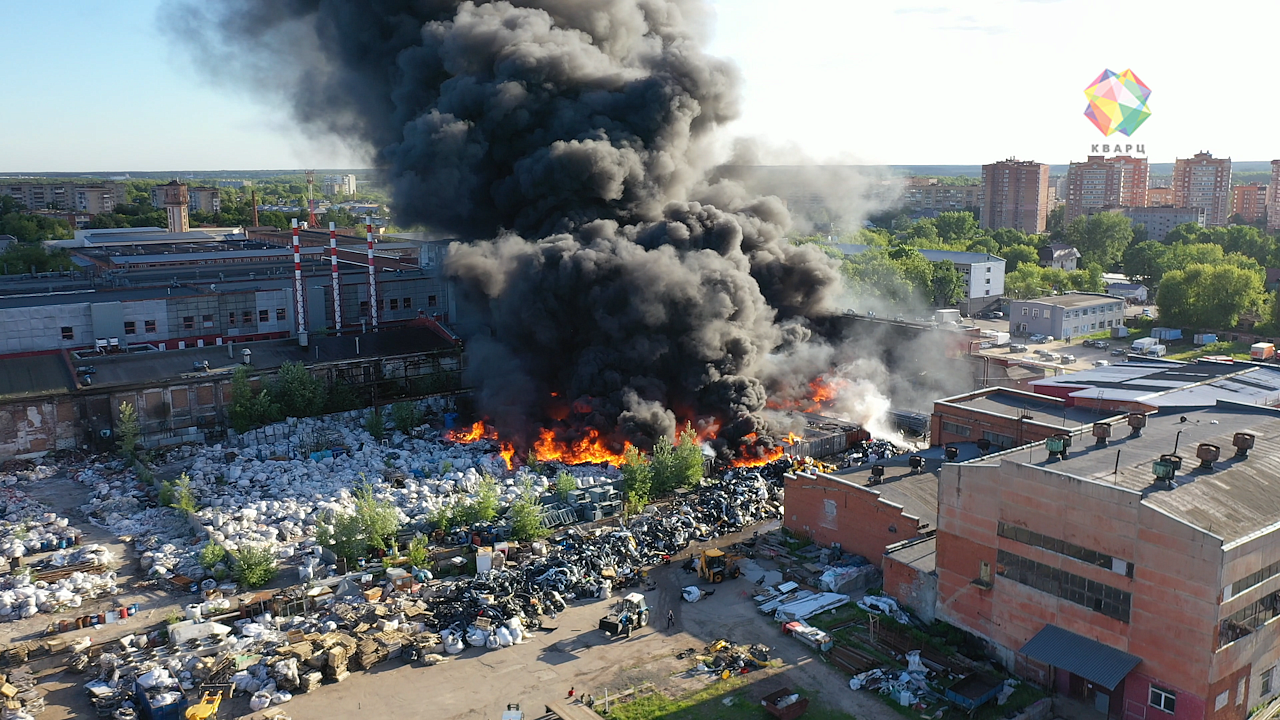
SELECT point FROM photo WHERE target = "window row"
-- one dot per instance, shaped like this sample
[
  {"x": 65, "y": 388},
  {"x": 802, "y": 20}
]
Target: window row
[
  {"x": 1099, "y": 597},
  {"x": 1249, "y": 581},
  {"x": 1062, "y": 547}
]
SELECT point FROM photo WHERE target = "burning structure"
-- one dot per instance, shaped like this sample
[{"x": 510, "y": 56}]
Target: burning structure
[{"x": 616, "y": 292}]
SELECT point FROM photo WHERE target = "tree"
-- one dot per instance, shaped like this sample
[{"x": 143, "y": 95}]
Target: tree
[
  {"x": 1186, "y": 233},
  {"x": 297, "y": 391},
  {"x": 128, "y": 430},
  {"x": 1101, "y": 238},
  {"x": 1209, "y": 296},
  {"x": 945, "y": 284},
  {"x": 19, "y": 259},
  {"x": 1053, "y": 225},
  {"x": 1087, "y": 279},
  {"x": 566, "y": 483},
  {"x": 956, "y": 227},
  {"x": 372, "y": 523},
  {"x": 983, "y": 244},
  {"x": 637, "y": 478},
  {"x": 873, "y": 274},
  {"x": 915, "y": 269},
  {"x": 404, "y": 416},
  {"x": 1025, "y": 283},
  {"x": 249, "y": 409},
  {"x": 526, "y": 517},
  {"x": 487, "y": 499},
  {"x": 1015, "y": 255},
  {"x": 1008, "y": 237},
  {"x": 1143, "y": 262}
]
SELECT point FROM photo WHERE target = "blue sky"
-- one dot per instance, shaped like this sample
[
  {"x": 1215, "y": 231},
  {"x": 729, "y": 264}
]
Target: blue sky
[{"x": 101, "y": 88}]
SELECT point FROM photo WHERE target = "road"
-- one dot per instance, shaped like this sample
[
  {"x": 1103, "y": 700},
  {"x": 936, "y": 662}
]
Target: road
[{"x": 1085, "y": 357}]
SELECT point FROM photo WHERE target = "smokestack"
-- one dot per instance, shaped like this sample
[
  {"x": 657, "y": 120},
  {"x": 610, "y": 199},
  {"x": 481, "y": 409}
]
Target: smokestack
[
  {"x": 300, "y": 308},
  {"x": 333, "y": 269},
  {"x": 373, "y": 275},
  {"x": 253, "y": 195}
]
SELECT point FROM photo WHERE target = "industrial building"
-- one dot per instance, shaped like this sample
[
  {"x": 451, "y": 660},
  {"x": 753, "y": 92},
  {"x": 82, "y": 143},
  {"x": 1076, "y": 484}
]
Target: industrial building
[
  {"x": 982, "y": 274},
  {"x": 1005, "y": 418},
  {"x": 1157, "y": 383},
  {"x": 1066, "y": 316},
  {"x": 199, "y": 199},
  {"x": 1132, "y": 565}
]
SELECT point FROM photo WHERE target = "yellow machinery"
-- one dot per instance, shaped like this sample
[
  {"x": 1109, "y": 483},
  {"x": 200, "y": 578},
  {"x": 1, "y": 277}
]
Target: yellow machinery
[
  {"x": 207, "y": 708},
  {"x": 716, "y": 566}
]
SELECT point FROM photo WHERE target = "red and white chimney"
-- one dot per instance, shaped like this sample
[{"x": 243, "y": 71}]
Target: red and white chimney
[
  {"x": 373, "y": 274},
  {"x": 333, "y": 269},
  {"x": 300, "y": 304}
]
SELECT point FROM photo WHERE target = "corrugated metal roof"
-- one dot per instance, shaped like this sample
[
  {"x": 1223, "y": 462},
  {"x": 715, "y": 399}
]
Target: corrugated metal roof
[{"x": 1077, "y": 654}]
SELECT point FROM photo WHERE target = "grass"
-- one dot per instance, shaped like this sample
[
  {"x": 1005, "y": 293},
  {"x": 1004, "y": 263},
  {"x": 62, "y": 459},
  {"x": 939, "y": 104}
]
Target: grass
[
  {"x": 708, "y": 704},
  {"x": 1237, "y": 350}
]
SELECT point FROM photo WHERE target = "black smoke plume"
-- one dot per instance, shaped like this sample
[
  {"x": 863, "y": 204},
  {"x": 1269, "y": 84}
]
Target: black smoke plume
[{"x": 570, "y": 142}]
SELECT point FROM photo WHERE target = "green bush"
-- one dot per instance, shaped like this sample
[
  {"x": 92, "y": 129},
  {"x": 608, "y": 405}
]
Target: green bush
[
  {"x": 526, "y": 517},
  {"x": 404, "y": 416},
  {"x": 375, "y": 425},
  {"x": 255, "y": 567},
  {"x": 212, "y": 554},
  {"x": 418, "y": 551},
  {"x": 128, "y": 431},
  {"x": 183, "y": 498}
]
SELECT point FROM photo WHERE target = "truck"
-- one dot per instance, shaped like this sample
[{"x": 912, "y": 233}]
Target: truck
[
  {"x": 947, "y": 315},
  {"x": 998, "y": 339},
  {"x": 1262, "y": 351},
  {"x": 1155, "y": 351},
  {"x": 1140, "y": 345}
]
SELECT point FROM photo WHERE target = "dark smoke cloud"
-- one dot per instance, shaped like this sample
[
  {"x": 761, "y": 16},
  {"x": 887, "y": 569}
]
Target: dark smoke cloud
[{"x": 580, "y": 135}]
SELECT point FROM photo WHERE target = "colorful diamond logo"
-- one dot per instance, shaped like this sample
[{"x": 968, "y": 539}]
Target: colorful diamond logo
[{"x": 1117, "y": 102}]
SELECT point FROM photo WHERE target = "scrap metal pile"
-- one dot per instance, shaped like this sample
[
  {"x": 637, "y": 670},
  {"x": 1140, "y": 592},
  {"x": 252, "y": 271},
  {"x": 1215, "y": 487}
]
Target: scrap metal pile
[{"x": 724, "y": 658}]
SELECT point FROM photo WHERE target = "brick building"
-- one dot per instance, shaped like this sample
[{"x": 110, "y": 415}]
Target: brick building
[
  {"x": 1143, "y": 597},
  {"x": 1249, "y": 201},
  {"x": 1101, "y": 182},
  {"x": 911, "y": 576},
  {"x": 1273, "y": 197},
  {"x": 1204, "y": 182},
  {"x": 1015, "y": 194},
  {"x": 1006, "y": 418}
]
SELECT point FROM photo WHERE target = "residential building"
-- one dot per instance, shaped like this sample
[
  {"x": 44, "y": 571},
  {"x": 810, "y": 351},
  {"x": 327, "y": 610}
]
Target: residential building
[
  {"x": 235, "y": 183},
  {"x": 1015, "y": 194},
  {"x": 1160, "y": 220},
  {"x": 339, "y": 185},
  {"x": 1060, "y": 256},
  {"x": 1273, "y": 198},
  {"x": 6, "y": 241},
  {"x": 1139, "y": 582},
  {"x": 982, "y": 275},
  {"x": 1204, "y": 182},
  {"x": 1133, "y": 292},
  {"x": 1249, "y": 202},
  {"x": 925, "y": 195},
  {"x": 1101, "y": 182},
  {"x": 89, "y": 198},
  {"x": 1066, "y": 316},
  {"x": 1160, "y": 197},
  {"x": 199, "y": 199}
]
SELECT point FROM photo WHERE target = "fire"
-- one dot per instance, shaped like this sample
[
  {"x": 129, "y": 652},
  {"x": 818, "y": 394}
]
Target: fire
[
  {"x": 508, "y": 452},
  {"x": 764, "y": 457},
  {"x": 793, "y": 438},
  {"x": 589, "y": 448},
  {"x": 478, "y": 431}
]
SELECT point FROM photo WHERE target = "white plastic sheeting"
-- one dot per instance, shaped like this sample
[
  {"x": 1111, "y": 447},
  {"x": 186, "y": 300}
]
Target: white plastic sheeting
[{"x": 810, "y": 606}]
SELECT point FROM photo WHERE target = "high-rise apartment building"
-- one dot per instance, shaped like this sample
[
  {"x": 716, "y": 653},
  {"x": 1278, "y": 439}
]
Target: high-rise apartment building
[
  {"x": 199, "y": 199},
  {"x": 339, "y": 185},
  {"x": 1160, "y": 197},
  {"x": 1273, "y": 197},
  {"x": 1204, "y": 182},
  {"x": 1249, "y": 201},
  {"x": 926, "y": 195},
  {"x": 1102, "y": 182},
  {"x": 74, "y": 197},
  {"x": 1015, "y": 195}
]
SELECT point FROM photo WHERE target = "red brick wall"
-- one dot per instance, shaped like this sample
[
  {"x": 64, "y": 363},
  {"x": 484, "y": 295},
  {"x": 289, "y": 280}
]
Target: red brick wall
[
  {"x": 910, "y": 587},
  {"x": 862, "y": 522}
]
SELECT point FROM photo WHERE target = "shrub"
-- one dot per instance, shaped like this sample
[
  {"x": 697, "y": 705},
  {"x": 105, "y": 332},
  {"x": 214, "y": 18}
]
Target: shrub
[
  {"x": 128, "y": 431},
  {"x": 255, "y": 567},
  {"x": 183, "y": 498},
  {"x": 375, "y": 425},
  {"x": 565, "y": 484},
  {"x": 418, "y": 554},
  {"x": 404, "y": 416},
  {"x": 212, "y": 554},
  {"x": 526, "y": 517}
]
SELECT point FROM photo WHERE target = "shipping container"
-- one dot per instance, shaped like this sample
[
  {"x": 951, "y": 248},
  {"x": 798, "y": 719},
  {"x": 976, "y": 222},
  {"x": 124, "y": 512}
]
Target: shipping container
[
  {"x": 1119, "y": 331},
  {"x": 1166, "y": 334},
  {"x": 1205, "y": 338}
]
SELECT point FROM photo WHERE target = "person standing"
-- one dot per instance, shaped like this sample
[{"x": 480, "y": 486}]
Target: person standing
[{"x": 671, "y": 618}]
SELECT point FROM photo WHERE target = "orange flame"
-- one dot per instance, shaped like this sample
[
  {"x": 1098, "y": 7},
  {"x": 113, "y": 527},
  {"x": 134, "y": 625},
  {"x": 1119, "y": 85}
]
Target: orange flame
[
  {"x": 764, "y": 457},
  {"x": 478, "y": 431},
  {"x": 793, "y": 438},
  {"x": 589, "y": 448},
  {"x": 508, "y": 452}
]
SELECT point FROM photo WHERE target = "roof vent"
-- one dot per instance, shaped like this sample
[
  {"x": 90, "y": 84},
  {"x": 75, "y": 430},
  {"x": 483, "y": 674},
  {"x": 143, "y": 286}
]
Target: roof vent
[
  {"x": 951, "y": 452},
  {"x": 1101, "y": 431},
  {"x": 877, "y": 474},
  {"x": 917, "y": 462},
  {"x": 1243, "y": 443},
  {"x": 983, "y": 444},
  {"x": 1208, "y": 453},
  {"x": 1163, "y": 470},
  {"x": 1136, "y": 421},
  {"x": 1058, "y": 445}
]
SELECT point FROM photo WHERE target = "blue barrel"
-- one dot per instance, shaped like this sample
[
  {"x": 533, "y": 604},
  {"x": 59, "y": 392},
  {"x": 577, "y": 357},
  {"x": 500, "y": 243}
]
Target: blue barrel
[
  {"x": 450, "y": 420},
  {"x": 133, "y": 609}
]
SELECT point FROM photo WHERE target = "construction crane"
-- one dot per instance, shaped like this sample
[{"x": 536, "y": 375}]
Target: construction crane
[{"x": 311, "y": 202}]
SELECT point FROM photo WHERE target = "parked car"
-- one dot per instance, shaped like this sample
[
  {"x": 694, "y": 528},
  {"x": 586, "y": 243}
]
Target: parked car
[
  {"x": 1101, "y": 344},
  {"x": 1118, "y": 352},
  {"x": 1068, "y": 359},
  {"x": 985, "y": 346},
  {"x": 1038, "y": 338},
  {"x": 1018, "y": 348},
  {"x": 1051, "y": 356},
  {"x": 1100, "y": 363},
  {"x": 86, "y": 370}
]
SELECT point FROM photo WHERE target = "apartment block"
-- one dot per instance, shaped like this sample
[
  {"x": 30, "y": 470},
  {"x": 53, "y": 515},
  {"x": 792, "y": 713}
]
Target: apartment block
[
  {"x": 1273, "y": 197},
  {"x": 1103, "y": 566},
  {"x": 1204, "y": 182},
  {"x": 199, "y": 199},
  {"x": 73, "y": 197},
  {"x": 926, "y": 195},
  {"x": 1015, "y": 195},
  {"x": 1106, "y": 182},
  {"x": 338, "y": 185},
  {"x": 1160, "y": 220},
  {"x": 1249, "y": 202},
  {"x": 1160, "y": 197}
]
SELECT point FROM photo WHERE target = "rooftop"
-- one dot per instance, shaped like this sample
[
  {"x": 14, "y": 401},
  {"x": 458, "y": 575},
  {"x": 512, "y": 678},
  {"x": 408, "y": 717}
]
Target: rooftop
[
  {"x": 1170, "y": 383},
  {"x": 34, "y": 375},
  {"x": 921, "y": 554},
  {"x": 1013, "y": 403},
  {"x": 1237, "y": 498},
  {"x": 1074, "y": 299},
  {"x": 92, "y": 296},
  {"x": 959, "y": 258},
  {"x": 916, "y": 492}
]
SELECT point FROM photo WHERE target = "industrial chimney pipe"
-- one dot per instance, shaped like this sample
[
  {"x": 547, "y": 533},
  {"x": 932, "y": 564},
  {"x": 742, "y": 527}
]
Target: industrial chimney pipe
[
  {"x": 373, "y": 275},
  {"x": 300, "y": 305},
  {"x": 333, "y": 269}
]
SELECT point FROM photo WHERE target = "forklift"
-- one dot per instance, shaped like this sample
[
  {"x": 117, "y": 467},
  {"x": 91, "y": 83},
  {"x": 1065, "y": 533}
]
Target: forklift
[
  {"x": 207, "y": 708},
  {"x": 631, "y": 613},
  {"x": 716, "y": 566}
]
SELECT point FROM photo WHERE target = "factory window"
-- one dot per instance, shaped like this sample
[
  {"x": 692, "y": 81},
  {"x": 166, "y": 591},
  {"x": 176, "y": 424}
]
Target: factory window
[
  {"x": 231, "y": 318},
  {"x": 1062, "y": 547},
  {"x": 131, "y": 328},
  {"x": 1249, "y": 581},
  {"x": 68, "y": 334},
  {"x": 280, "y": 316},
  {"x": 431, "y": 301},
  {"x": 988, "y": 268},
  {"x": 207, "y": 320},
  {"x": 1254, "y": 615},
  {"x": 1099, "y": 597},
  {"x": 954, "y": 429},
  {"x": 264, "y": 316},
  {"x": 1264, "y": 681},
  {"x": 395, "y": 304},
  {"x": 149, "y": 326},
  {"x": 188, "y": 322},
  {"x": 1163, "y": 699},
  {"x": 364, "y": 307},
  {"x": 382, "y": 304},
  {"x": 1240, "y": 689},
  {"x": 406, "y": 304},
  {"x": 246, "y": 317},
  {"x": 995, "y": 438}
]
